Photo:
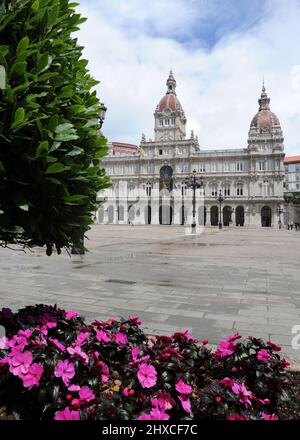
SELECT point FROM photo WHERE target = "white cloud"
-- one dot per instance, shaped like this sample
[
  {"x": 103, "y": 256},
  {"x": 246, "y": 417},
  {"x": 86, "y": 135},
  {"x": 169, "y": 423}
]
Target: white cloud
[{"x": 218, "y": 88}]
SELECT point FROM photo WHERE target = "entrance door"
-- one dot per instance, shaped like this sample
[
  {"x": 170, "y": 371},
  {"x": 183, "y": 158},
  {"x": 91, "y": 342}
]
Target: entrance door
[
  {"x": 240, "y": 216},
  {"x": 266, "y": 216},
  {"x": 165, "y": 215},
  {"x": 214, "y": 216},
  {"x": 226, "y": 215}
]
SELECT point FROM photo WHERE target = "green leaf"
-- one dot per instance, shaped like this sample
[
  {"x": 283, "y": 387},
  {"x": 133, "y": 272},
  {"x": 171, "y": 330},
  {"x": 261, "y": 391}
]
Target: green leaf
[
  {"x": 18, "y": 68},
  {"x": 42, "y": 149},
  {"x": 44, "y": 63},
  {"x": 63, "y": 127},
  {"x": 23, "y": 45},
  {"x": 19, "y": 117},
  {"x": 35, "y": 5},
  {"x": 66, "y": 92},
  {"x": 56, "y": 168},
  {"x": 24, "y": 207}
]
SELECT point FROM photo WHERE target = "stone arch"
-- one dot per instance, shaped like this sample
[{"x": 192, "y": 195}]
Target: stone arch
[{"x": 110, "y": 214}]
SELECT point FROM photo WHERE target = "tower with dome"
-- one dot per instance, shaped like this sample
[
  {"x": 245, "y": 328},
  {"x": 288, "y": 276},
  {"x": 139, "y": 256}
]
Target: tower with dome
[{"x": 149, "y": 185}]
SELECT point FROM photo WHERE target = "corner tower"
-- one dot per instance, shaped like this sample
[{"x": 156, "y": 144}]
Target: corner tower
[{"x": 170, "y": 120}]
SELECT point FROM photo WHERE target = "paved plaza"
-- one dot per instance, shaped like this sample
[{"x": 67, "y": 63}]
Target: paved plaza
[{"x": 213, "y": 284}]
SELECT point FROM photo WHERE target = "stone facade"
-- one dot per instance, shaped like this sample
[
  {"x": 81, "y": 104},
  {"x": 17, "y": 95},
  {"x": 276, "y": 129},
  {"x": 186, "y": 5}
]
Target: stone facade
[{"x": 150, "y": 186}]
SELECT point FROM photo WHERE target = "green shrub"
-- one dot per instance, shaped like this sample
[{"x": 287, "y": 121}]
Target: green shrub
[{"x": 50, "y": 146}]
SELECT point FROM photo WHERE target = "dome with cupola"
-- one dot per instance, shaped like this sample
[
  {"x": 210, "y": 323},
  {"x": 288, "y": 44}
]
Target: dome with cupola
[
  {"x": 264, "y": 120},
  {"x": 169, "y": 103}
]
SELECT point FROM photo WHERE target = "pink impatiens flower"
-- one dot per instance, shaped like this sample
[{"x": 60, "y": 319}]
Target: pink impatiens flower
[
  {"x": 71, "y": 314},
  {"x": 57, "y": 343},
  {"x": 225, "y": 348},
  {"x": 285, "y": 363},
  {"x": 147, "y": 375},
  {"x": 4, "y": 343},
  {"x": 236, "y": 417},
  {"x": 158, "y": 414},
  {"x": 65, "y": 370},
  {"x": 185, "y": 402},
  {"x": 135, "y": 319},
  {"x": 105, "y": 371},
  {"x": 162, "y": 400},
  {"x": 267, "y": 416},
  {"x": 263, "y": 355},
  {"x": 82, "y": 338},
  {"x": 120, "y": 338},
  {"x": 19, "y": 364},
  {"x": 32, "y": 378},
  {"x": 243, "y": 393},
  {"x": 86, "y": 394},
  {"x": 77, "y": 351},
  {"x": 234, "y": 337},
  {"x": 102, "y": 336},
  {"x": 67, "y": 414},
  {"x": 183, "y": 388}
]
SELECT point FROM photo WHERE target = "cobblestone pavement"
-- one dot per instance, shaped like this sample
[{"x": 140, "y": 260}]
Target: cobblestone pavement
[{"x": 213, "y": 284}]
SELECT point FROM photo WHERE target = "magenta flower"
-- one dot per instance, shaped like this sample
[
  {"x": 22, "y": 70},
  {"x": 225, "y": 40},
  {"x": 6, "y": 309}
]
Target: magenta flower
[
  {"x": 267, "y": 416},
  {"x": 19, "y": 364},
  {"x": 82, "y": 338},
  {"x": 243, "y": 393},
  {"x": 120, "y": 338},
  {"x": 236, "y": 417},
  {"x": 65, "y": 370},
  {"x": 157, "y": 414},
  {"x": 183, "y": 388},
  {"x": 186, "y": 335},
  {"x": 86, "y": 394},
  {"x": 285, "y": 363},
  {"x": 232, "y": 338},
  {"x": 32, "y": 378},
  {"x": 225, "y": 348},
  {"x": 135, "y": 319},
  {"x": 71, "y": 314},
  {"x": 77, "y": 351},
  {"x": 57, "y": 343},
  {"x": 145, "y": 417},
  {"x": 67, "y": 414},
  {"x": 263, "y": 355},
  {"x": 102, "y": 336},
  {"x": 105, "y": 371},
  {"x": 74, "y": 387},
  {"x": 147, "y": 375},
  {"x": 185, "y": 402}
]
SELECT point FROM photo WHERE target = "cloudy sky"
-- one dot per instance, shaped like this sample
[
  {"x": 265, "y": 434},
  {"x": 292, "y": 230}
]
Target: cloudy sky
[{"x": 219, "y": 51}]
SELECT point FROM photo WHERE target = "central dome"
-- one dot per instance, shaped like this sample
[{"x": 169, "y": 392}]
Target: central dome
[
  {"x": 264, "y": 120},
  {"x": 170, "y": 102}
]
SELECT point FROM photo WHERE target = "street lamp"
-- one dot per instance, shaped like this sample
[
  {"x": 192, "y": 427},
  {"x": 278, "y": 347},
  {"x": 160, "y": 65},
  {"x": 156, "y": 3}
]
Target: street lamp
[
  {"x": 193, "y": 183},
  {"x": 220, "y": 200},
  {"x": 101, "y": 115}
]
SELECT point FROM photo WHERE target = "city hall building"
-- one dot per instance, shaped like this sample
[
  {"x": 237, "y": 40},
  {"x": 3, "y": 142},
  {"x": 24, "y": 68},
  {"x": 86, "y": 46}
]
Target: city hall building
[{"x": 149, "y": 181}]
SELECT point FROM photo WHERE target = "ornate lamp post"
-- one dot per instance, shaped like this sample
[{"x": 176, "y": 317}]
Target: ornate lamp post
[
  {"x": 101, "y": 118},
  {"x": 220, "y": 200},
  {"x": 102, "y": 115},
  {"x": 194, "y": 183}
]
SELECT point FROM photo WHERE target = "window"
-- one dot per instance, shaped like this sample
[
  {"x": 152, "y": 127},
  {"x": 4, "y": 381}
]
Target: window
[
  {"x": 201, "y": 168},
  {"x": 226, "y": 167},
  {"x": 161, "y": 122},
  {"x": 214, "y": 191},
  {"x": 160, "y": 152},
  {"x": 227, "y": 191},
  {"x": 239, "y": 191},
  {"x": 183, "y": 189},
  {"x": 261, "y": 165},
  {"x": 239, "y": 166},
  {"x": 173, "y": 121},
  {"x": 167, "y": 121},
  {"x": 148, "y": 189},
  {"x": 214, "y": 167}
]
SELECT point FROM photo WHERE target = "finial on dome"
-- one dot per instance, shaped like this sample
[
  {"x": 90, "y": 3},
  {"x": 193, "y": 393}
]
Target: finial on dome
[
  {"x": 263, "y": 86},
  {"x": 171, "y": 83},
  {"x": 264, "y": 100}
]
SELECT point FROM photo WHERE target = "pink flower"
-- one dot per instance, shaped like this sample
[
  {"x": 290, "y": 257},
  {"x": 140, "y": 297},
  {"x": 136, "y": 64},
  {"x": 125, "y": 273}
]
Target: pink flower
[
  {"x": 145, "y": 417},
  {"x": 21, "y": 339},
  {"x": 65, "y": 370},
  {"x": 236, "y": 417},
  {"x": 264, "y": 401},
  {"x": 74, "y": 387},
  {"x": 77, "y": 351},
  {"x": 71, "y": 314},
  {"x": 183, "y": 388},
  {"x": 86, "y": 394},
  {"x": 19, "y": 364},
  {"x": 186, "y": 335},
  {"x": 101, "y": 336},
  {"x": 105, "y": 371},
  {"x": 263, "y": 355},
  {"x": 163, "y": 401},
  {"x": 157, "y": 414},
  {"x": 185, "y": 402},
  {"x": 225, "y": 348},
  {"x": 67, "y": 414},
  {"x": 57, "y": 343},
  {"x": 227, "y": 382},
  {"x": 4, "y": 345},
  {"x": 51, "y": 324},
  {"x": 82, "y": 338},
  {"x": 267, "y": 416},
  {"x": 135, "y": 319},
  {"x": 233, "y": 338},
  {"x": 147, "y": 375},
  {"x": 134, "y": 353},
  {"x": 33, "y": 376},
  {"x": 285, "y": 363},
  {"x": 243, "y": 393},
  {"x": 120, "y": 338},
  {"x": 274, "y": 347}
]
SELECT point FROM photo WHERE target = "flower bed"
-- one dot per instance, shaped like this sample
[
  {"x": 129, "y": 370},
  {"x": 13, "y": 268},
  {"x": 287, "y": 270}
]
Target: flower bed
[{"x": 55, "y": 366}]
